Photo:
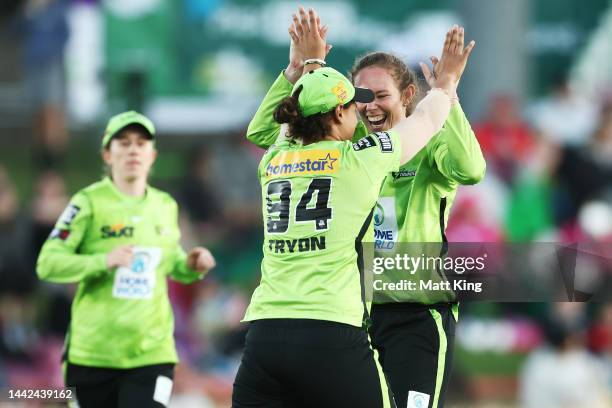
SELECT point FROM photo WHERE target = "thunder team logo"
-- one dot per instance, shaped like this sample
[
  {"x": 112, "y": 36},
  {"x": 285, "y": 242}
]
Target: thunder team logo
[{"x": 304, "y": 162}]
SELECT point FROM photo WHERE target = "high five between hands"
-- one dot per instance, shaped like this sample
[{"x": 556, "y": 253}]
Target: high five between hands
[{"x": 308, "y": 40}]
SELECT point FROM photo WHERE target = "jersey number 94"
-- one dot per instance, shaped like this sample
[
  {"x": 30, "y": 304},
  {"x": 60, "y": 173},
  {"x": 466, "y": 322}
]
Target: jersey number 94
[{"x": 278, "y": 199}]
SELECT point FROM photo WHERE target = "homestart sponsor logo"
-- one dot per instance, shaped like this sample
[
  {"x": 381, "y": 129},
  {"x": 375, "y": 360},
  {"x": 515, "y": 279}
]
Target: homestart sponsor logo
[
  {"x": 117, "y": 231},
  {"x": 304, "y": 162}
]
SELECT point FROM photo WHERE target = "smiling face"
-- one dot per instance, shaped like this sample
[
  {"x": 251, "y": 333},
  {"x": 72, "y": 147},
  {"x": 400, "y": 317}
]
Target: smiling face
[
  {"x": 389, "y": 104},
  {"x": 130, "y": 155}
]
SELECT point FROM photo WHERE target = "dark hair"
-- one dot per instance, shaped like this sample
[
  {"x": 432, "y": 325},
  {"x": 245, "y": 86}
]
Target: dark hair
[
  {"x": 309, "y": 129},
  {"x": 400, "y": 72}
]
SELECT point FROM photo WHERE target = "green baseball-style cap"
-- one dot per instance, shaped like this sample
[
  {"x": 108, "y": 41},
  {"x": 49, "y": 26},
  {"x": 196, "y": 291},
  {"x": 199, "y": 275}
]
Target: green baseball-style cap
[
  {"x": 121, "y": 120},
  {"x": 325, "y": 88}
]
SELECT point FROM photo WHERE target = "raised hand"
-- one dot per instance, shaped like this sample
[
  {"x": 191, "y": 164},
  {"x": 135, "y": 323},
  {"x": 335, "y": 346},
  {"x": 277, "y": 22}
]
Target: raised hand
[
  {"x": 307, "y": 39},
  {"x": 448, "y": 70},
  {"x": 293, "y": 72}
]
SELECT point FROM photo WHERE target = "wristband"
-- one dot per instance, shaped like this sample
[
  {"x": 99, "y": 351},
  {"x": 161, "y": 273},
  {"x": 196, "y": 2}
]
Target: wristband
[{"x": 315, "y": 61}]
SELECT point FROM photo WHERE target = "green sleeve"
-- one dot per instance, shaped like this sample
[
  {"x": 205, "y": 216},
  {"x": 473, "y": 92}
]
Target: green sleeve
[
  {"x": 181, "y": 272},
  {"x": 456, "y": 151},
  {"x": 59, "y": 260},
  {"x": 379, "y": 153},
  {"x": 263, "y": 129}
]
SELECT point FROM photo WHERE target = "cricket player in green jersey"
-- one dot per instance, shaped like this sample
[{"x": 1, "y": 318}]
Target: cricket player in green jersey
[
  {"x": 413, "y": 331},
  {"x": 119, "y": 240},
  {"x": 306, "y": 346}
]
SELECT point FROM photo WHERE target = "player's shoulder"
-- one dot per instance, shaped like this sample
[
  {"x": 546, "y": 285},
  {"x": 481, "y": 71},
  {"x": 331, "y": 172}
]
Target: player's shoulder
[
  {"x": 86, "y": 195},
  {"x": 81, "y": 202},
  {"x": 160, "y": 196},
  {"x": 98, "y": 187}
]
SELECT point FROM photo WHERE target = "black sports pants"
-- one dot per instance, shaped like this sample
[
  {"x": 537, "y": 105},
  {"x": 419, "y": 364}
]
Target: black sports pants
[
  {"x": 308, "y": 363},
  {"x": 415, "y": 343},
  {"x": 142, "y": 387}
]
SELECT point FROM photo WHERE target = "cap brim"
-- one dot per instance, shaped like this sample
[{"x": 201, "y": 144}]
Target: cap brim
[
  {"x": 107, "y": 138},
  {"x": 363, "y": 95},
  {"x": 146, "y": 130}
]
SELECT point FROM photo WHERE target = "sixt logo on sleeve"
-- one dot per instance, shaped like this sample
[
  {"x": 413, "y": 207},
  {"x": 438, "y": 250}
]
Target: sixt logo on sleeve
[
  {"x": 117, "y": 231},
  {"x": 304, "y": 162}
]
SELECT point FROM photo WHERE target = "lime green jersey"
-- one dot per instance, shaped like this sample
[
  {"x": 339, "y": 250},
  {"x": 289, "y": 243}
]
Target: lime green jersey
[
  {"x": 121, "y": 318},
  {"x": 415, "y": 201},
  {"x": 318, "y": 203}
]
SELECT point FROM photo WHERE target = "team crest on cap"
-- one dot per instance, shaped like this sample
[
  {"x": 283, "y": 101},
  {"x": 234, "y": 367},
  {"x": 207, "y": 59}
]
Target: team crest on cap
[{"x": 340, "y": 91}]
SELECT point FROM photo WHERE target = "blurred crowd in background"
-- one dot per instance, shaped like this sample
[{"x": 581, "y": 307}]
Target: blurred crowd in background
[{"x": 549, "y": 179}]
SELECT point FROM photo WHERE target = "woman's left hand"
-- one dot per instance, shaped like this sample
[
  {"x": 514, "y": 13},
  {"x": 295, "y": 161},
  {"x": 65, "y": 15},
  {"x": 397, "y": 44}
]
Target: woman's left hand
[
  {"x": 294, "y": 70},
  {"x": 200, "y": 259},
  {"x": 307, "y": 36}
]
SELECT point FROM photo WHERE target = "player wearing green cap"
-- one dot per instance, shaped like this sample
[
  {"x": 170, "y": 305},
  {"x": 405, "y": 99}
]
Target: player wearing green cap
[
  {"x": 306, "y": 345},
  {"x": 412, "y": 330},
  {"x": 119, "y": 240},
  {"x": 121, "y": 120}
]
